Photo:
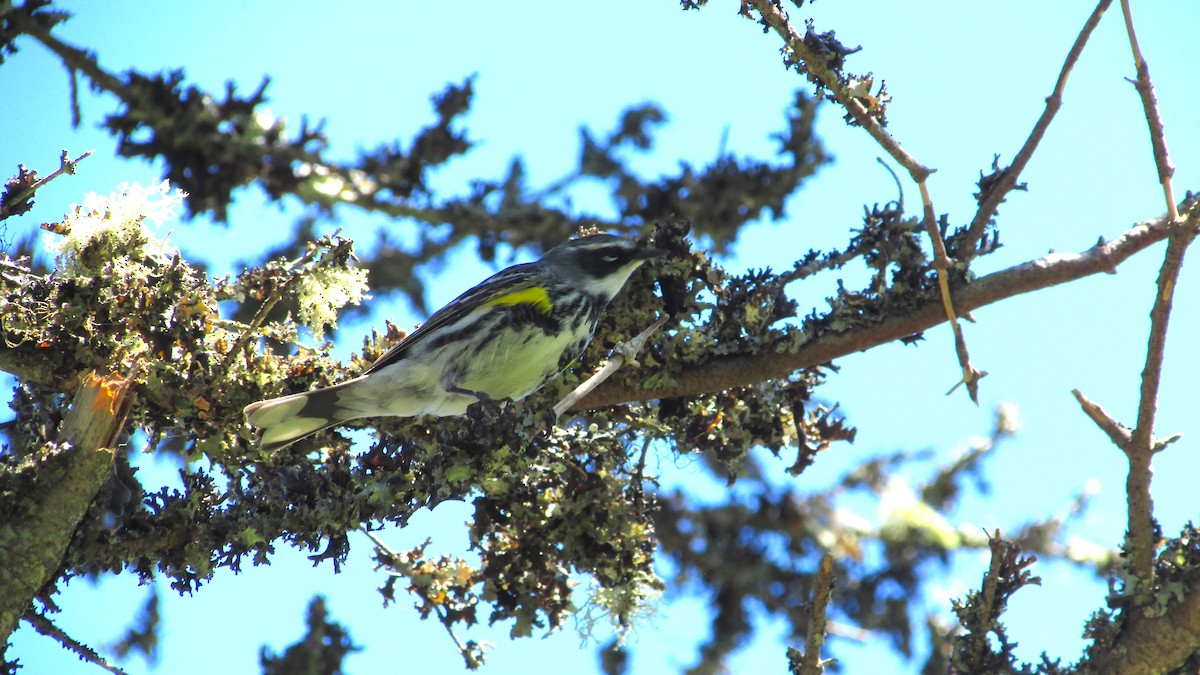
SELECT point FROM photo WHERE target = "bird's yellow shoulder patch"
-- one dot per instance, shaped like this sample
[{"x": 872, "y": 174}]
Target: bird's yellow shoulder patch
[{"x": 535, "y": 295}]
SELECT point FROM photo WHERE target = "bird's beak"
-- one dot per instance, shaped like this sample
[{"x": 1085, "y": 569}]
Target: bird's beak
[{"x": 648, "y": 253}]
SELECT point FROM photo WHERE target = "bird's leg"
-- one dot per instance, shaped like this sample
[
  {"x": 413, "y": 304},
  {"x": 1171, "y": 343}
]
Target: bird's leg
[{"x": 484, "y": 402}]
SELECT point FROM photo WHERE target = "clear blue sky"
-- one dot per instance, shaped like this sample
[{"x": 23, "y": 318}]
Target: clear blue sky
[{"x": 969, "y": 79}]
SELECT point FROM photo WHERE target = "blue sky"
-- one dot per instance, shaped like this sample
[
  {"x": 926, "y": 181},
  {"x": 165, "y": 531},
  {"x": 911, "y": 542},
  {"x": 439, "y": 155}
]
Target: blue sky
[{"x": 968, "y": 79}]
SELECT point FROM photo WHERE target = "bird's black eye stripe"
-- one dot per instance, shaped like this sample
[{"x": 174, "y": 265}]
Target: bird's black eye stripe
[
  {"x": 616, "y": 254},
  {"x": 603, "y": 261}
]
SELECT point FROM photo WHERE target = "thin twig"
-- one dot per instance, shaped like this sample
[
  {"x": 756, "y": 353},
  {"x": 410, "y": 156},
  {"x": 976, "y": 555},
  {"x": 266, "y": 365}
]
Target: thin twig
[
  {"x": 1140, "y": 529},
  {"x": 1008, "y": 178},
  {"x": 276, "y": 295},
  {"x": 942, "y": 263},
  {"x": 1145, "y": 89},
  {"x": 464, "y": 649},
  {"x": 624, "y": 353},
  {"x": 66, "y": 165},
  {"x": 1118, "y": 433},
  {"x": 987, "y": 599},
  {"x": 46, "y": 627},
  {"x": 815, "y": 639}
]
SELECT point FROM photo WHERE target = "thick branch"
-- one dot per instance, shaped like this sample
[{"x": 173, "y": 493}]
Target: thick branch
[
  {"x": 33, "y": 543},
  {"x": 27, "y": 362},
  {"x": 1141, "y": 449},
  {"x": 1148, "y": 646},
  {"x": 743, "y": 370}
]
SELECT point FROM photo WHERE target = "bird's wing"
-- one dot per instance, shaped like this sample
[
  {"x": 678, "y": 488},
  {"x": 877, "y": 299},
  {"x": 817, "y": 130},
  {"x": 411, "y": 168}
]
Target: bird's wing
[{"x": 511, "y": 286}]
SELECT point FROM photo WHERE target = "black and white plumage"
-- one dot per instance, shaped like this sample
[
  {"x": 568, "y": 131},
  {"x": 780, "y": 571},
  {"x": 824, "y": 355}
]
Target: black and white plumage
[{"x": 504, "y": 338}]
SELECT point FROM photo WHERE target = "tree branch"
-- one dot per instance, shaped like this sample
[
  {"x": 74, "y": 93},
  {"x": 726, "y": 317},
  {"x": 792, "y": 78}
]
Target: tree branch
[
  {"x": 746, "y": 369},
  {"x": 819, "y": 69},
  {"x": 1008, "y": 178},
  {"x": 822, "y": 589},
  {"x": 1158, "y": 644},
  {"x": 941, "y": 263},
  {"x": 1145, "y": 89},
  {"x": 773, "y": 15},
  {"x": 1141, "y": 530},
  {"x": 71, "y": 472},
  {"x": 624, "y": 353},
  {"x": 1118, "y": 433},
  {"x": 46, "y": 627},
  {"x": 11, "y": 204}
]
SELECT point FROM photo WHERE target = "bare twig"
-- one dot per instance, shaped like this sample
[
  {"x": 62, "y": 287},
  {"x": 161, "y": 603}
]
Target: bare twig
[
  {"x": 624, "y": 353},
  {"x": 987, "y": 600},
  {"x": 1008, "y": 178},
  {"x": 1118, "y": 433},
  {"x": 46, "y": 627},
  {"x": 66, "y": 165},
  {"x": 815, "y": 640},
  {"x": 941, "y": 263},
  {"x": 1145, "y": 89},
  {"x": 1141, "y": 531}
]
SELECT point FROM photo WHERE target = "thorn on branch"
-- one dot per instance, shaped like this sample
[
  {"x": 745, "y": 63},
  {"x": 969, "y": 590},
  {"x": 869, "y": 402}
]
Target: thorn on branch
[
  {"x": 624, "y": 353},
  {"x": 1119, "y": 434}
]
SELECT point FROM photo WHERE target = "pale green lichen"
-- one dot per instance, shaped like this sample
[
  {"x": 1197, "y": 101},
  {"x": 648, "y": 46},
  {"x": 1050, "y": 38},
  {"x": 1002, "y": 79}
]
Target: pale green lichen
[
  {"x": 107, "y": 228},
  {"x": 324, "y": 290},
  {"x": 622, "y": 607}
]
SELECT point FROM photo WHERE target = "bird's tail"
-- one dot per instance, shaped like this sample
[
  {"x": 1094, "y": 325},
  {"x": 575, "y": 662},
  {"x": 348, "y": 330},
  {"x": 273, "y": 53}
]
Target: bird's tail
[{"x": 285, "y": 420}]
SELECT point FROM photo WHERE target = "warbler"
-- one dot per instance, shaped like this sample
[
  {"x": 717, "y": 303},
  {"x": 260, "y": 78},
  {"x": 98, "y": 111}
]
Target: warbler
[{"x": 503, "y": 339}]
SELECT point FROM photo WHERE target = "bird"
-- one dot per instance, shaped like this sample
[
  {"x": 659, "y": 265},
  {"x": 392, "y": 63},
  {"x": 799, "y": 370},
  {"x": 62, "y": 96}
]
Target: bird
[{"x": 505, "y": 338}]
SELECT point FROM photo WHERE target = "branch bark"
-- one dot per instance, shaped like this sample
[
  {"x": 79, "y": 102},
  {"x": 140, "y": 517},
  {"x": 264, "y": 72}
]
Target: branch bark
[
  {"x": 723, "y": 372},
  {"x": 1008, "y": 179},
  {"x": 773, "y": 15},
  {"x": 33, "y": 544},
  {"x": 744, "y": 370},
  {"x": 1141, "y": 529},
  {"x": 1149, "y": 646}
]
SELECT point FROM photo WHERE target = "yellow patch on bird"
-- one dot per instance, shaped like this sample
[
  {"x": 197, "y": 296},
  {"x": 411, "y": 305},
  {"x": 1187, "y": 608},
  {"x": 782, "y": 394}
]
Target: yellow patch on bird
[{"x": 536, "y": 296}]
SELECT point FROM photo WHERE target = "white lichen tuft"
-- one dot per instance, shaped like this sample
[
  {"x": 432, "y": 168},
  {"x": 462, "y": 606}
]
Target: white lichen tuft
[
  {"x": 622, "y": 608},
  {"x": 323, "y": 291},
  {"x": 107, "y": 228}
]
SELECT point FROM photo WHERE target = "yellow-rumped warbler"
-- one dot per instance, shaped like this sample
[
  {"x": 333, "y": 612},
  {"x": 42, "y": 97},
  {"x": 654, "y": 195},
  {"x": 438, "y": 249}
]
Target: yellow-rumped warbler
[{"x": 504, "y": 338}]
